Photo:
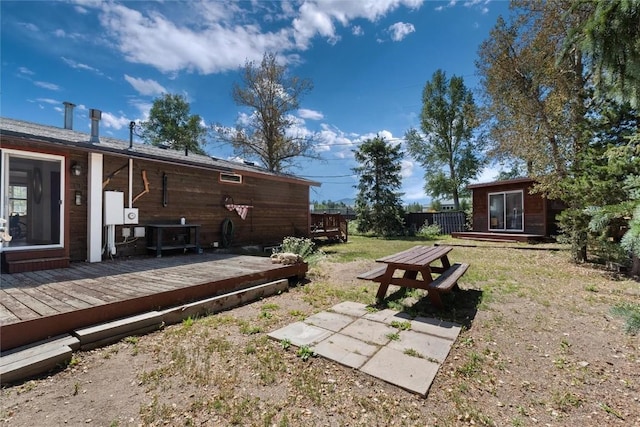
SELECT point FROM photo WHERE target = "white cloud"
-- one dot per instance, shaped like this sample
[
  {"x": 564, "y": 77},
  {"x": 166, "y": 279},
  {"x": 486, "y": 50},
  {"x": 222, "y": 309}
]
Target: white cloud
[
  {"x": 357, "y": 30},
  {"x": 111, "y": 121},
  {"x": 48, "y": 101},
  {"x": 25, "y": 71},
  {"x": 310, "y": 114},
  {"x": 145, "y": 87},
  {"x": 400, "y": 30},
  {"x": 406, "y": 170},
  {"x": 209, "y": 47},
  {"x": 47, "y": 85},
  {"x": 80, "y": 66},
  {"x": 225, "y": 35}
]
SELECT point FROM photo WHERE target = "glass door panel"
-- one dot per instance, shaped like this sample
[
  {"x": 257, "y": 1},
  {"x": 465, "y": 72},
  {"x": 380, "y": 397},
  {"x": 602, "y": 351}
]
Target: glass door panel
[
  {"x": 513, "y": 211},
  {"x": 32, "y": 186},
  {"x": 496, "y": 212}
]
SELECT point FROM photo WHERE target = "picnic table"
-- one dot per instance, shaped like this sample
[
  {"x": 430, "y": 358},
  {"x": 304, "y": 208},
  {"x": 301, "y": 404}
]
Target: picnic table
[{"x": 418, "y": 269}]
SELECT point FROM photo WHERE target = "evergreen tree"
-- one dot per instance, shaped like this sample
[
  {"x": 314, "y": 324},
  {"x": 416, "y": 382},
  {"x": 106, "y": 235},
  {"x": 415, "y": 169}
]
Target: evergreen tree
[{"x": 378, "y": 204}]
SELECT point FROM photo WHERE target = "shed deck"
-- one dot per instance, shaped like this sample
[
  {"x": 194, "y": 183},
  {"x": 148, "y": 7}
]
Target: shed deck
[
  {"x": 40, "y": 304},
  {"x": 497, "y": 237}
]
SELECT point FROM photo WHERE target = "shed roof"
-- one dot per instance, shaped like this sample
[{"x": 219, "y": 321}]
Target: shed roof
[
  {"x": 81, "y": 140},
  {"x": 504, "y": 182}
]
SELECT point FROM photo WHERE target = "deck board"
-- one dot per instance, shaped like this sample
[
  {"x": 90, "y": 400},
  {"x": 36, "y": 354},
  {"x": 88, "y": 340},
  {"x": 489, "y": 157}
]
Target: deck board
[{"x": 35, "y": 305}]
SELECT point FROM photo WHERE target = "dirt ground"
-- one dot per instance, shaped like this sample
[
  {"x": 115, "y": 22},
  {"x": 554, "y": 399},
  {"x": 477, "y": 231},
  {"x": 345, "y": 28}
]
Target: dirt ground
[{"x": 539, "y": 347}]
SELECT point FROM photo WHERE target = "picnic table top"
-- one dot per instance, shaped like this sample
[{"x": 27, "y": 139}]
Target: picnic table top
[{"x": 419, "y": 256}]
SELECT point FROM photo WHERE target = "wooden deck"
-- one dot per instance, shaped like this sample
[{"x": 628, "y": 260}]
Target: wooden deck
[
  {"x": 497, "y": 237},
  {"x": 41, "y": 304}
]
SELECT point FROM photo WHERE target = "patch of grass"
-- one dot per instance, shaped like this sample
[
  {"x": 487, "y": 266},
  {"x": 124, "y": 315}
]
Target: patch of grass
[
  {"x": 402, "y": 326},
  {"x": 610, "y": 410},
  {"x": 631, "y": 313},
  {"x": 413, "y": 353},
  {"x": 248, "y": 329},
  {"x": 270, "y": 307},
  {"x": 298, "y": 314},
  {"x": 188, "y": 322},
  {"x": 285, "y": 343},
  {"x": 591, "y": 288},
  {"x": 305, "y": 352},
  {"x": 472, "y": 366},
  {"x": 394, "y": 336},
  {"x": 565, "y": 400}
]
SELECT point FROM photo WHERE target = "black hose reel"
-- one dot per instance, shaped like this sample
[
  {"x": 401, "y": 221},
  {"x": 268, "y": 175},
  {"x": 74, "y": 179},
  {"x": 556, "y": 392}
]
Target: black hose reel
[{"x": 227, "y": 232}]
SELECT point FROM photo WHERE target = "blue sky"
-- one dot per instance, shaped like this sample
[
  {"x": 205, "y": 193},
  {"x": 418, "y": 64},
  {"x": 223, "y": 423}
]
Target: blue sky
[{"x": 368, "y": 61}]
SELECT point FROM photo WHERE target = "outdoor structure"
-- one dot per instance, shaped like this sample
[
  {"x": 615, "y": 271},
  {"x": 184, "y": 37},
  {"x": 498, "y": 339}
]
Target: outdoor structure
[
  {"x": 333, "y": 226},
  {"x": 73, "y": 196},
  {"x": 506, "y": 210}
]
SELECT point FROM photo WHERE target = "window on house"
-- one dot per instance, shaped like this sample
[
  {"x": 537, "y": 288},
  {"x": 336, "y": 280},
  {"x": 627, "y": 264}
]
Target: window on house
[{"x": 505, "y": 211}]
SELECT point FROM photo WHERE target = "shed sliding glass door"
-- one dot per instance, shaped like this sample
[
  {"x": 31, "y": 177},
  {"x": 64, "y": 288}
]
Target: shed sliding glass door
[{"x": 505, "y": 211}]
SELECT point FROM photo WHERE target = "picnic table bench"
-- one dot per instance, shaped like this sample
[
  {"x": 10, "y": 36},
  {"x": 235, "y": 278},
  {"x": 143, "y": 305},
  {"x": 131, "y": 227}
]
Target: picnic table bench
[{"x": 418, "y": 259}]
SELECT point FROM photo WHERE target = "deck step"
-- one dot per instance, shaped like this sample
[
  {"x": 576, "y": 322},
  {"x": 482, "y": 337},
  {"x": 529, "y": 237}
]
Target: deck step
[
  {"x": 34, "y": 360},
  {"x": 110, "y": 332}
]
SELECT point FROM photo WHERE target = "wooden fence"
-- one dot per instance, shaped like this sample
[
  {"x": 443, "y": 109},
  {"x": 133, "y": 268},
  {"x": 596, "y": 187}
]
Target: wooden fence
[{"x": 449, "y": 222}]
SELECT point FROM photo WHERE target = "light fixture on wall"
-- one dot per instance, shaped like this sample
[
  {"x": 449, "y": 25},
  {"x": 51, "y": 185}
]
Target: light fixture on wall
[
  {"x": 78, "y": 198},
  {"x": 76, "y": 169}
]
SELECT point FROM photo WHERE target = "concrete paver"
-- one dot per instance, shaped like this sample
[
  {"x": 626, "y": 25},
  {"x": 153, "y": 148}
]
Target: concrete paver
[
  {"x": 429, "y": 347},
  {"x": 436, "y": 327},
  {"x": 331, "y": 321},
  {"x": 411, "y": 373},
  {"x": 346, "y": 350},
  {"x": 300, "y": 334},
  {"x": 351, "y": 335},
  {"x": 350, "y": 308},
  {"x": 369, "y": 331}
]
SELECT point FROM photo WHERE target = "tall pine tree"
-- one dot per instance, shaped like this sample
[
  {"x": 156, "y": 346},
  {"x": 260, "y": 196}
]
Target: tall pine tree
[{"x": 378, "y": 204}]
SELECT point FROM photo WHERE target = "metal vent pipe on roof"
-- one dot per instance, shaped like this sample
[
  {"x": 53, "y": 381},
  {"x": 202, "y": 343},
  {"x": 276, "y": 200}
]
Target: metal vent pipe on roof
[
  {"x": 95, "y": 116},
  {"x": 68, "y": 114}
]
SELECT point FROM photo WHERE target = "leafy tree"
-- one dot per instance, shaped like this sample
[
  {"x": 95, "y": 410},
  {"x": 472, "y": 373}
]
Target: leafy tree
[
  {"x": 268, "y": 132},
  {"x": 445, "y": 148},
  {"x": 378, "y": 204},
  {"x": 414, "y": 207},
  {"x": 170, "y": 122},
  {"x": 535, "y": 102}
]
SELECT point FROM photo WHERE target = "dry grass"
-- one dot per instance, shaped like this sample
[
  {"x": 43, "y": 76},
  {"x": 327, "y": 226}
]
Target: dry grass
[{"x": 539, "y": 347}]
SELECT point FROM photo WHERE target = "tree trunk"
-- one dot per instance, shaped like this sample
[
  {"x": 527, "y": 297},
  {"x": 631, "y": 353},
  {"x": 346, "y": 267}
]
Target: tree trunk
[{"x": 635, "y": 265}]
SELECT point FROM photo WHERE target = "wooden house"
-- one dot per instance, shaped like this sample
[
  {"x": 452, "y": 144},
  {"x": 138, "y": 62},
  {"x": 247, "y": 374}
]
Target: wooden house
[
  {"x": 507, "y": 210},
  {"x": 73, "y": 196}
]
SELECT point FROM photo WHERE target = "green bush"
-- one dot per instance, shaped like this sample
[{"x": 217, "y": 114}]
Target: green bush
[
  {"x": 299, "y": 246},
  {"x": 429, "y": 232}
]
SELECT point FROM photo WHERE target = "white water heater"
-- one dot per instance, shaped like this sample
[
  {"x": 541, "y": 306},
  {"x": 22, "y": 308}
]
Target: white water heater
[{"x": 113, "y": 208}]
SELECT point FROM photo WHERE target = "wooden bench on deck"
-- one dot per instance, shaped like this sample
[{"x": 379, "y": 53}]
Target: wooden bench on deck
[{"x": 418, "y": 260}]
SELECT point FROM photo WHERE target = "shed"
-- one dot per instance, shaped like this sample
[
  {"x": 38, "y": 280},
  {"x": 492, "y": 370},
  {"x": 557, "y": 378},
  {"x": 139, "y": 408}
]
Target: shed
[
  {"x": 507, "y": 210},
  {"x": 73, "y": 196}
]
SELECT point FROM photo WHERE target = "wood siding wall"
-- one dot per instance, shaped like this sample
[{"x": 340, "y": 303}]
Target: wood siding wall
[
  {"x": 280, "y": 207},
  {"x": 535, "y": 213}
]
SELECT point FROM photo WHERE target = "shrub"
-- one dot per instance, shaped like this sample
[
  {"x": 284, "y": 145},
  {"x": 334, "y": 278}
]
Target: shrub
[
  {"x": 304, "y": 247},
  {"x": 429, "y": 232}
]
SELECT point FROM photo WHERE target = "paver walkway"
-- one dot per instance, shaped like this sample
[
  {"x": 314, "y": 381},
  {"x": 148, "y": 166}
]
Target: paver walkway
[{"x": 349, "y": 334}]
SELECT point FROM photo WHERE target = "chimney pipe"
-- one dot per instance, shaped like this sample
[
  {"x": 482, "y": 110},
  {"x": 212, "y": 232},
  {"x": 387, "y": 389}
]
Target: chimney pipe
[
  {"x": 95, "y": 116},
  {"x": 68, "y": 114}
]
